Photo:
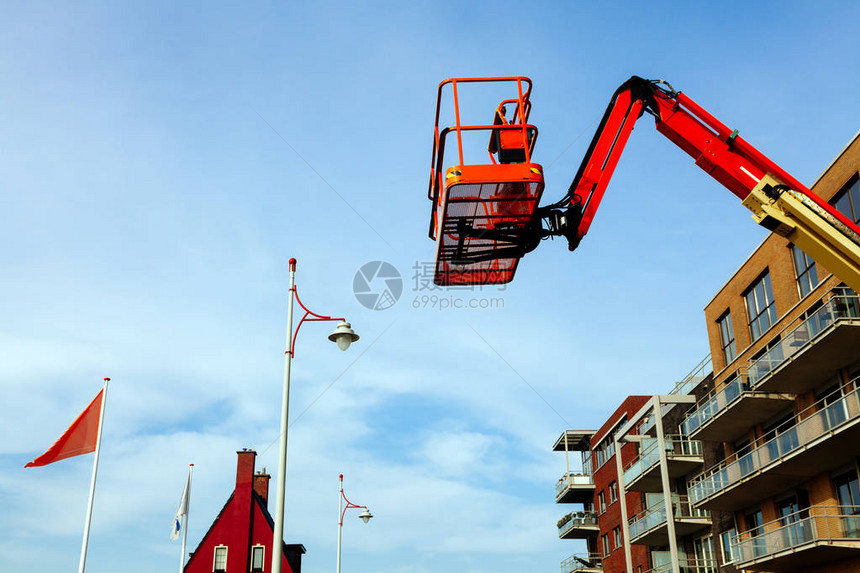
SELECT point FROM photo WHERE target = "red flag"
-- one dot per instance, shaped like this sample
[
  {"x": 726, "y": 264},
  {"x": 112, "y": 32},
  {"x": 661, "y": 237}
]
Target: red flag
[{"x": 79, "y": 439}]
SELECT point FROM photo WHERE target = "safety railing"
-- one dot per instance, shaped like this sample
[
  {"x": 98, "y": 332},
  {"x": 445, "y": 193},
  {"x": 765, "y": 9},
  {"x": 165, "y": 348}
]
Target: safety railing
[
  {"x": 576, "y": 519},
  {"x": 844, "y": 303},
  {"x": 815, "y": 525},
  {"x": 648, "y": 423},
  {"x": 827, "y": 415},
  {"x": 582, "y": 562},
  {"x": 687, "y": 565},
  {"x": 695, "y": 377},
  {"x": 650, "y": 455},
  {"x": 573, "y": 478},
  {"x": 656, "y": 516},
  {"x": 715, "y": 402}
]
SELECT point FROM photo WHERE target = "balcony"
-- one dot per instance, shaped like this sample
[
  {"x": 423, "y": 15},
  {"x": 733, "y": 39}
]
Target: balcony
[
  {"x": 808, "y": 537},
  {"x": 722, "y": 416},
  {"x": 651, "y": 528},
  {"x": 694, "y": 378},
  {"x": 814, "y": 350},
  {"x": 575, "y": 487},
  {"x": 583, "y": 563},
  {"x": 823, "y": 436},
  {"x": 643, "y": 472},
  {"x": 578, "y": 525},
  {"x": 685, "y": 565}
]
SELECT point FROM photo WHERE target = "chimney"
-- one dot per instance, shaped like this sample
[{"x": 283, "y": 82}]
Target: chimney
[
  {"x": 245, "y": 467},
  {"x": 261, "y": 486}
]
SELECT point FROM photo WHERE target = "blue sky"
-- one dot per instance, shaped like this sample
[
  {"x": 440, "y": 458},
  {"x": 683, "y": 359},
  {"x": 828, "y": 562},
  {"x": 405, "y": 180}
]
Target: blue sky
[{"x": 149, "y": 210}]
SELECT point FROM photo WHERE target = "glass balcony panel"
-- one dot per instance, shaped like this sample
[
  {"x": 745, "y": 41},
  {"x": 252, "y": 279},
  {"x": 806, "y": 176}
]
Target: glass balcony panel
[
  {"x": 811, "y": 526},
  {"x": 688, "y": 565},
  {"x": 694, "y": 378},
  {"x": 573, "y": 479},
  {"x": 839, "y": 306},
  {"x": 649, "y": 456},
  {"x": 713, "y": 405},
  {"x": 656, "y": 516},
  {"x": 577, "y": 520},
  {"x": 582, "y": 562},
  {"x": 812, "y": 423}
]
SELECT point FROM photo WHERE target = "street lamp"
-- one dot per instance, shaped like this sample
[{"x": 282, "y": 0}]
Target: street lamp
[
  {"x": 343, "y": 336},
  {"x": 364, "y": 516}
]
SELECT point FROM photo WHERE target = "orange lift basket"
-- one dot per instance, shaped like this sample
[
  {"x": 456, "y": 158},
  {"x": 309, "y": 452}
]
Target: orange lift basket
[{"x": 482, "y": 212}]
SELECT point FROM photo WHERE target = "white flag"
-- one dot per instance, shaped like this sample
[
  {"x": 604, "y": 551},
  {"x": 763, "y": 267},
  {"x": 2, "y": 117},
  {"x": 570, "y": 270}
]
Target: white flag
[{"x": 182, "y": 509}]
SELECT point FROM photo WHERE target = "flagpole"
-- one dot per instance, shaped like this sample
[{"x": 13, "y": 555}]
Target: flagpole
[
  {"x": 185, "y": 521},
  {"x": 83, "y": 562}
]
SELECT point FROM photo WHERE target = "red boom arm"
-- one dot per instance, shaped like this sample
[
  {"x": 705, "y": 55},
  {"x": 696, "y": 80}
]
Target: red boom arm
[{"x": 716, "y": 149}]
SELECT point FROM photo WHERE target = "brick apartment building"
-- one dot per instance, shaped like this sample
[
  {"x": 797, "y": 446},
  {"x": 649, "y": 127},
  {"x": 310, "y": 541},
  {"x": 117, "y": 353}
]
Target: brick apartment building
[
  {"x": 595, "y": 485},
  {"x": 750, "y": 462}
]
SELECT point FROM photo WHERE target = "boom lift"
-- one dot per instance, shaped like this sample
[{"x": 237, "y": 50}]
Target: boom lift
[
  {"x": 778, "y": 202},
  {"x": 481, "y": 211}
]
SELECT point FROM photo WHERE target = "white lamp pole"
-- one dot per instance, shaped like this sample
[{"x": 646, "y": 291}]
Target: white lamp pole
[
  {"x": 341, "y": 511},
  {"x": 343, "y": 336}
]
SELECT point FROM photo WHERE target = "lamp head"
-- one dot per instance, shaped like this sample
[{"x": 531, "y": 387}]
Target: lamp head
[
  {"x": 365, "y": 515},
  {"x": 343, "y": 335}
]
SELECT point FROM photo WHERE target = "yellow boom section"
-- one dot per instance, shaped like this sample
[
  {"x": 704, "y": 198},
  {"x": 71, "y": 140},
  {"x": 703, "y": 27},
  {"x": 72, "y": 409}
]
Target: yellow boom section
[{"x": 819, "y": 235}]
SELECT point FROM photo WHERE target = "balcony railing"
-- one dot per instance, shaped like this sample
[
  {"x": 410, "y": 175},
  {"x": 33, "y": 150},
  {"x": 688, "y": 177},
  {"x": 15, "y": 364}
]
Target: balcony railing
[
  {"x": 841, "y": 305},
  {"x": 654, "y": 517},
  {"x": 650, "y": 455},
  {"x": 714, "y": 403},
  {"x": 694, "y": 378},
  {"x": 816, "y": 525},
  {"x": 582, "y": 562},
  {"x": 687, "y": 565},
  {"x": 573, "y": 479},
  {"x": 577, "y": 519},
  {"x": 825, "y": 416}
]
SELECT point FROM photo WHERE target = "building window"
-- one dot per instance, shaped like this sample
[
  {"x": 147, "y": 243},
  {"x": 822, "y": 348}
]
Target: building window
[
  {"x": 727, "y": 337},
  {"x": 704, "y": 548},
  {"x": 616, "y": 536},
  {"x": 726, "y": 538},
  {"x": 258, "y": 554},
  {"x": 760, "y": 308},
  {"x": 220, "y": 563},
  {"x": 604, "y": 541},
  {"x": 601, "y": 502},
  {"x": 613, "y": 492},
  {"x": 847, "y": 201},
  {"x": 847, "y": 488},
  {"x": 804, "y": 270},
  {"x": 848, "y": 493},
  {"x": 605, "y": 451},
  {"x": 755, "y": 529},
  {"x": 606, "y": 448}
]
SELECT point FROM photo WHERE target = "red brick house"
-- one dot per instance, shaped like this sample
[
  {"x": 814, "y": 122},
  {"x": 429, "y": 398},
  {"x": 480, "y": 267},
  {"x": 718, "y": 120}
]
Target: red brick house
[{"x": 240, "y": 538}]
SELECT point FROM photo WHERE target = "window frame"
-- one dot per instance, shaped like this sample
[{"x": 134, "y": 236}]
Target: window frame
[
  {"x": 616, "y": 536},
  {"x": 851, "y": 190},
  {"x": 604, "y": 540},
  {"x": 726, "y": 546},
  {"x": 613, "y": 492},
  {"x": 724, "y": 325},
  {"x": 808, "y": 276},
  {"x": 848, "y": 480},
  {"x": 765, "y": 309},
  {"x": 704, "y": 549},
  {"x": 601, "y": 502},
  {"x": 262, "y": 549},
  {"x": 215, "y": 568}
]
